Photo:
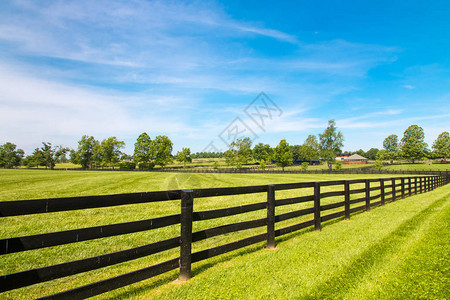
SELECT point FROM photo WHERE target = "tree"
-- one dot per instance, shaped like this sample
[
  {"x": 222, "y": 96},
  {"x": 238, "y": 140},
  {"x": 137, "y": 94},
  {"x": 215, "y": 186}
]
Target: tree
[
  {"x": 390, "y": 144},
  {"x": 413, "y": 145},
  {"x": 85, "y": 151},
  {"x": 162, "y": 148},
  {"x": 110, "y": 151},
  {"x": 441, "y": 145},
  {"x": 295, "y": 150},
  {"x": 312, "y": 142},
  {"x": 331, "y": 142},
  {"x": 282, "y": 154},
  {"x": 262, "y": 152},
  {"x": 9, "y": 156},
  {"x": 338, "y": 165},
  {"x": 372, "y": 153},
  {"x": 242, "y": 149},
  {"x": 47, "y": 155},
  {"x": 143, "y": 151},
  {"x": 184, "y": 156}
]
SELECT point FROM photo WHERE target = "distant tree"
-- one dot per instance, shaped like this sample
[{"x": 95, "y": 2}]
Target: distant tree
[
  {"x": 240, "y": 152},
  {"x": 441, "y": 145},
  {"x": 229, "y": 157},
  {"x": 50, "y": 154},
  {"x": 308, "y": 153},
  {"x": 391, "y": 145},
  {"x": 10, "y": 157},
  {"x": 312, "y": 142},
  {"x": 331, "y": 142},
  {"x": 305, "y": 166},
  {"x": 372, "y": 153},
  {"x": 110, "y": 151},
  {"x": 262, "y": 152},
  {"x": 282, "y": 154},
  {"x": 184, "y": 156},
  {"x": 162, "y": 146},
  {"x": 361, "y": 152},
  {"x": 143, "y": 151},
  {"x": 338, "y": 165},
  {"x": 381, "y": 155},
  {"x": 85, "y": 151},
  {"x": 295, "y": 150},
  {"x": 413, "y": 145}
]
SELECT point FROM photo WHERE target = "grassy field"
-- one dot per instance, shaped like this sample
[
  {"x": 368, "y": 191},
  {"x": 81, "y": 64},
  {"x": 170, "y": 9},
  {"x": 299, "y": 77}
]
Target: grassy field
[
  {"x": 30, "y": 184},
  {"x": 418, "y": 167}
]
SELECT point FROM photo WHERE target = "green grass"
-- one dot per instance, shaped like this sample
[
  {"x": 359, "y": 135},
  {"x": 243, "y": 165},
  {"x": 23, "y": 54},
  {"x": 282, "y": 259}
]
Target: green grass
[
  {"x": 418, "y": 167},
  {"x": 30, "y": 184}
]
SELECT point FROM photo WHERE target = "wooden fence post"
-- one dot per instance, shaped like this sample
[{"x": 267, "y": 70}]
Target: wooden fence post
[
  {"x": 367, "y": 195},
  {"x": 317, "y": 225},
  {"x": 187, "y": 205},
  {"x": 382, "y": 191},
  {"x": 415, "y": 185},
  {"x": 402, "y": 186},
  {"x": 409, "y": 186},
  {"x": 347, "y": 199},
  {"x": 428, "y": 183},
  {"x": 270, "y": 216},
  {"x": 393, "y": 189}
]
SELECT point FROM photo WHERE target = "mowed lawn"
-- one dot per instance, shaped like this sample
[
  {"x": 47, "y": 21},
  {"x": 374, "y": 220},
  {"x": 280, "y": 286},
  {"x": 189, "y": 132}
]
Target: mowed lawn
[{"x": 357, "y": 258}]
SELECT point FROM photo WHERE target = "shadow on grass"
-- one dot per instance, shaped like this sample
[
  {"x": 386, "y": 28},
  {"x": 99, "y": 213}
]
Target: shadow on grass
[
  {"x": 338, "y": 285},
  {"x": 333, "y": 287}
]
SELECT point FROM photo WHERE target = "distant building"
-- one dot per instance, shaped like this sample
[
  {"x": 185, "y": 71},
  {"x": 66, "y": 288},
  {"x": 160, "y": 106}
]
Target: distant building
[
  {"x": 355, "y": 159},
  {"x": 343, "y": 156}
]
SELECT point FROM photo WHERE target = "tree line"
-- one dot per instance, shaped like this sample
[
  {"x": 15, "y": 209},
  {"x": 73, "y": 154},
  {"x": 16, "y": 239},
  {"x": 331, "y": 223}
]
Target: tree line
[{"x": 148, "y": 153}]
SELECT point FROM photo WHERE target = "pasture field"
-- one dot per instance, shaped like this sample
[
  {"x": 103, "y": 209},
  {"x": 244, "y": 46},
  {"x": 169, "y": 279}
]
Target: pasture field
[
  {"x": 318, "y": 258},
  {"x": 418, "y": 167}
]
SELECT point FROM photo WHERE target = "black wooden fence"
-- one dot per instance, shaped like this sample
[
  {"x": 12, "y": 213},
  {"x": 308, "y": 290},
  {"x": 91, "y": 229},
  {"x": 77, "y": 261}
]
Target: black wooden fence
[{"x": 389, "y": 189}]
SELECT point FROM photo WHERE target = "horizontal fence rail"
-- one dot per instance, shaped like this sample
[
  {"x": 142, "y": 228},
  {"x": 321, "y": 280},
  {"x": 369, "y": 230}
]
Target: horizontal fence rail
[{"x": 351, "y": 198}]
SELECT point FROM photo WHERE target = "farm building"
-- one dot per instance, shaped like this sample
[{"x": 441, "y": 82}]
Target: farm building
[
  {"x": 343, "y": 156},
  {"x": 355, "y": 159}
]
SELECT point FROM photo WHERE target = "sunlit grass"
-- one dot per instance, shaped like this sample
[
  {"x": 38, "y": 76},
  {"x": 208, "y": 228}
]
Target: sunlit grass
[{"x": 30, "y": 184}]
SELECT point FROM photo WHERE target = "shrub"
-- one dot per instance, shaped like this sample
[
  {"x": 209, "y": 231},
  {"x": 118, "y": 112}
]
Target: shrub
[
  {"x": 378, "y": 164},
  {"x": 262, "y": 165},
  {"x": 338, "y": 165},
  {"x": 216, "y": 165},
  {"x": 305, "y": 166},
  {"x": 127, "y": 165},
  {"x": 146, "y": 166},
  {"x": 239, "y": 166}
]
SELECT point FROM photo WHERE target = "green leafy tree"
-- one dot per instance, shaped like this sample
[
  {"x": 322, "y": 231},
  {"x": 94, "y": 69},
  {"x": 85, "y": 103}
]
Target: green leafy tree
[
  {"x": 143, "y": 151},
  {"x": 331, "y": 142},
  {"x": 312, "y": 142},
  {"x": 305, "y": 166},
  {"x": 308, "y": 153},
  {"x": 10, "y": 157},
  {"x": 413, "y": 145},
  {"x": 85, "y": 151},
  {"x": 282, "y": 154},
  {"x": 242, "y": 149},
  {"x": 184, "y": 156},
  {"x": 229, "y": 157},
  {"x": 110, "y": 151},
  {"x": 262, "y": 152},
  {"x": 338, "y": 165},
  {"x": 441, "y": 145},
  {"x": 162, "y": 147},
  {"x": 295, "y": 150},
  {"x": 372, "y": 153},
  {"x": 47, "y": 155},
  {"x": 392, "y": 147},
  {"x": 381, "y": 155}
]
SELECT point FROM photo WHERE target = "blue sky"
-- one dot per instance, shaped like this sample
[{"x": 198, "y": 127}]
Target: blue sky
[{"x": 190, "y": 69}]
